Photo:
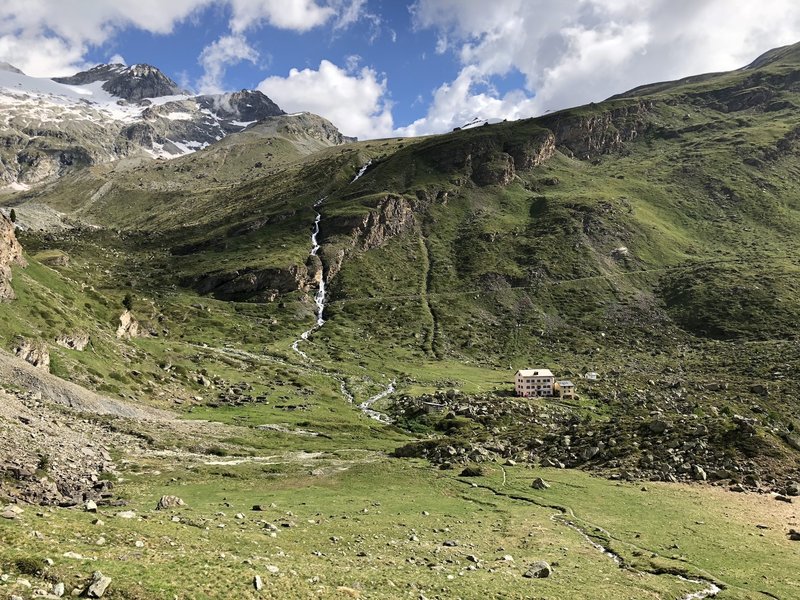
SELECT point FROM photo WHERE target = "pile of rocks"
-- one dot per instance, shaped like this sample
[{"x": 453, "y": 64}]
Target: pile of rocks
[
  {"x": 238, "y": 395},
  {"x": 667, "y": 445},
  {"x": 48, "y": 456}
]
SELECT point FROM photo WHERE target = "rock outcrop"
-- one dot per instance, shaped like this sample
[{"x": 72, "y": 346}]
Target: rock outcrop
[
  {"x": 255, "y": 285},
  {"x": 75, "y": 340},
  {"x": 587, "y": 134},
  {"x": 132, "y": 83},
  {"x": 128, "y": 326},
  {"x": 493, "y": 157},
  {"x": 33, "y": 352},
  {"x": 245, "y": 106},
  {"x": 10, "y": 254},
  {"x": 392, "y": 216}
]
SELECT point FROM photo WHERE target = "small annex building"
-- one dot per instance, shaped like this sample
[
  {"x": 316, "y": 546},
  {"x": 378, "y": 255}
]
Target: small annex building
[
  {"x": 565, "y": 388},
  {"x": 534, "y": 382}
]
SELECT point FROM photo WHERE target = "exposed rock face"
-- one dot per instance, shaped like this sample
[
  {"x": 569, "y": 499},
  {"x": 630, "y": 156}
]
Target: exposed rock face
[
  {"x": 312, "y": 126},
  {"x": 35, "y": 353},
  {"x": 128, "y": 326},
  {"x": 255, "y": 285},
  {"x": 76, "y": 340},
  {"x": 392, "y": 216},
  {"x": 56, "y": 260},
  {"x": 591, "y": 135},
  {"x": 492, "y": 158},
  {"x": 246, "y": 105},
  {"x": 10, "y": 254}
]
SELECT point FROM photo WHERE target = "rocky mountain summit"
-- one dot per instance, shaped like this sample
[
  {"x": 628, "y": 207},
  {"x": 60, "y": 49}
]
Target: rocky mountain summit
[{"x": 130, "y": 83}]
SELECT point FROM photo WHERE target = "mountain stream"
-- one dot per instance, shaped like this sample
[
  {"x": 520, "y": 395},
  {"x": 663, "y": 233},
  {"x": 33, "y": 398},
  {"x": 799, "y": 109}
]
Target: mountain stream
[{"x": 319, "y": 301}]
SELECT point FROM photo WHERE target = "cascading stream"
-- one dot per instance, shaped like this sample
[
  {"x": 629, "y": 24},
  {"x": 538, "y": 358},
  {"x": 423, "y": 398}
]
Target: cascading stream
[
  {"x": 366, "y": 406},
  {"x": 319, "y": 297},
  {"x": 362, "y": 170},
  {"x": 319, "y": 301}
]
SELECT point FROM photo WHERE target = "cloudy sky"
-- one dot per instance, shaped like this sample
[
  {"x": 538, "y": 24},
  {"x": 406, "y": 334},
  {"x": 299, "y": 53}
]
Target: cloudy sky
[{"x": 391, "y": 67}]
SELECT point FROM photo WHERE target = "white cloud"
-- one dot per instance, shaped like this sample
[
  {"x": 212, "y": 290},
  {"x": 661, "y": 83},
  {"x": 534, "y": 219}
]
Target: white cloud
[
  {"x": 458, "y": 102},
  {"x": 353, "y": 101},
  {"x": 52, "y": 37},
  {"x": 299, "y": 15},
  {"x": 40, "y": 55},
  {"x": 117, "y": 59},
  {"x": 215, "y": 58},
  {"x": 351, "y": 12},
  {"x": 570, "y": 53}
]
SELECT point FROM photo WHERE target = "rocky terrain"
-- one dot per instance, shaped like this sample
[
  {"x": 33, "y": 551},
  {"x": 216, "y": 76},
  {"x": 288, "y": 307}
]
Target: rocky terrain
[{"x": 656, "y": 446}]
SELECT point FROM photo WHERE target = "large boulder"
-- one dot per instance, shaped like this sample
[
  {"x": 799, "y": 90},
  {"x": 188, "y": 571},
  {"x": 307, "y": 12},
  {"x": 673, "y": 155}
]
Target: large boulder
[
  {"x": 128, "y": 326},
  {"x": 169, "y": 502},
  {"x": 98, "y": 586},
  {"x": 540, "y": 484},
  {"x": 540, "y": 569}
]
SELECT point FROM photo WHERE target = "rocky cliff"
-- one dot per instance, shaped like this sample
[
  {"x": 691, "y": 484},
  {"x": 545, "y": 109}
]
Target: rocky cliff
[
  {"x": 588, "y": 134},
  {"x": 10, "y": 254},
  {"x": 492, "y": 155},
  {"x": 392, "y": 216},
  {"x": 254, "y": 285}
]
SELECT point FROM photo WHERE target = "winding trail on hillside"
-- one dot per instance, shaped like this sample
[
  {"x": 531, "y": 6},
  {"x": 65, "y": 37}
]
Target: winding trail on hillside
[
  {"x": 558, "y": 282},
  {"x": 566, "y": 516},
  {"x": 320, "y": 304}
]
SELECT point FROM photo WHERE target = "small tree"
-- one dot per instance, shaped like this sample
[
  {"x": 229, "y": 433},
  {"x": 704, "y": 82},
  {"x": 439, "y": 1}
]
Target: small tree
[
  {"x": 13, "y": 216},
  {"x": 127, "y": 301}
]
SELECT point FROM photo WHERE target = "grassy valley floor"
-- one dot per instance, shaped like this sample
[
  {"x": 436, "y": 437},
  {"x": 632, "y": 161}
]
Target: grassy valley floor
[{"x": 350, "y": 524}]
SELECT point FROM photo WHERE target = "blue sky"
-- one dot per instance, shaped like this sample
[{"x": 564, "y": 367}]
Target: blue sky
[
  {"x": 394, "y": 48},
  {"x": 401, "y": 67}
]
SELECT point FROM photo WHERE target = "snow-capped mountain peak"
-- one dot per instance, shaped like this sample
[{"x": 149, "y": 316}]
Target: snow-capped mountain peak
[
  {"x": 130, "y": 83},
  {"x": 108, "y": 112}
]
